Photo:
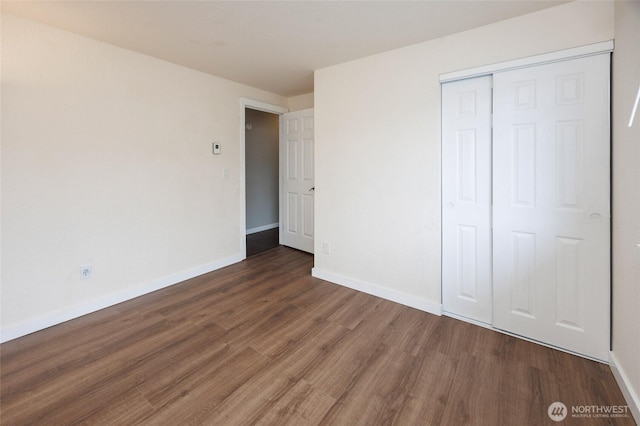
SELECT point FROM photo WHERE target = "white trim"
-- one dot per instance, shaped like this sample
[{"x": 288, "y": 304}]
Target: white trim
[
  {"x": 260, "y": 106},
  {"x": 27, "y": 327},
  {"x": 262, "y": 228},
  {"x": 545, "y": 58},
  {"x": 631, "y": 395},
  {"x": 384, "y": 293}
]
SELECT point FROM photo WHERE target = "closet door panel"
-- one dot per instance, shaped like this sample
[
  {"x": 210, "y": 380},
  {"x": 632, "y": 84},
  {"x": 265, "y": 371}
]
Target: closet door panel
[
  {"x": 466, "y": 198},
  {"x": 551, "y": 213}
]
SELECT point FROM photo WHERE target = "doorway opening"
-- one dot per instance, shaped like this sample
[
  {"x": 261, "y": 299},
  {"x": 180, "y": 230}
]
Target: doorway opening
[
  {"x": 253, "y": 105},
  {"x": 261, "y": 132},
  {"x": 294, "y": 173}
]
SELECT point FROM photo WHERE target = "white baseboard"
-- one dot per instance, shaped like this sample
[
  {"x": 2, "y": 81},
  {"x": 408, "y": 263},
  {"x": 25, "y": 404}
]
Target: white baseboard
[
  {"x": 384, "y": 293},
  {"x": 630, "y": 394},
  {"x": 262, "y": 228},
  {"x": 30, "y": 326}
]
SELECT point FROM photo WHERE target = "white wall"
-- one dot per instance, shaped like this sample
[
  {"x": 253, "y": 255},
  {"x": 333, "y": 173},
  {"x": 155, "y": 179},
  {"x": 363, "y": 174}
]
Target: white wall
[
  {"x": 106, "y": 160},
  {"x": 626, "y": 202},
  {"x": 261, "y": 169},
  {"x": 300, "y": 102},
  {"x": 378, "y": 148}
]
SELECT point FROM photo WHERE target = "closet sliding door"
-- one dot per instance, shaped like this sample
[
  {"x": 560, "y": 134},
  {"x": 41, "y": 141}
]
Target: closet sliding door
[
  {"x": 466, "y": 198},
  {"x": 525, "y": 205},
  {"x": 551, "y": 215}
]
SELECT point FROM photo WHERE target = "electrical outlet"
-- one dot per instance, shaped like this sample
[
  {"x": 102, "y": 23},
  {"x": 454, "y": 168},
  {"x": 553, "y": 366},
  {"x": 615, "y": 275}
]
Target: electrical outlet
[
  {"x": 86, "y": 271},
  {"x": 326, "y": 247}
]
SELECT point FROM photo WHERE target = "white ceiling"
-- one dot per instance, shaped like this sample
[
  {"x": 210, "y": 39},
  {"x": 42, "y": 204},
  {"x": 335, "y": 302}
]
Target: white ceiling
[{"x": 271, "y": 45}]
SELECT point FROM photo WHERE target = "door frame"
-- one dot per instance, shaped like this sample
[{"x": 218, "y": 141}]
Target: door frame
[{"x": 259, "y": 106}]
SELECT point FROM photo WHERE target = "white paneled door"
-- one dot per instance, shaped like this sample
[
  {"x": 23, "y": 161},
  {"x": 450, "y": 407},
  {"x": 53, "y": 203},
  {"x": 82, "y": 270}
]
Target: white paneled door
[
  {"x": 551, "y": 215},
  {"x": 297, "y": 193},
  {"x": 526, "y": 215},
  {"x": 466, "y": 198}
]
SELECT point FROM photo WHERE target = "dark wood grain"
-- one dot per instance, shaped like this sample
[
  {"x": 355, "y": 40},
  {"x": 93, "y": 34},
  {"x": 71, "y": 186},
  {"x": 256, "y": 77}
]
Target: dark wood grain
[
  {"x": 262, "y": 342},
  {"x": 262, "y": 241}
]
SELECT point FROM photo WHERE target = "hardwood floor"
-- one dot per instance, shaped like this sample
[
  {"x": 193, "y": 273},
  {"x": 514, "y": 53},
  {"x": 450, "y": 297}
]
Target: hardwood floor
[
  {"x": 262, "y": 241},
  {"x": 262, "y": 342}
]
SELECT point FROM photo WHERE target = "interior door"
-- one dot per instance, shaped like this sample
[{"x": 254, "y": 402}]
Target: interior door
[
  {"x": 551, "y": 213},
  {"x": 466, "y": 198},
  {"x": 297, "y": 193}
]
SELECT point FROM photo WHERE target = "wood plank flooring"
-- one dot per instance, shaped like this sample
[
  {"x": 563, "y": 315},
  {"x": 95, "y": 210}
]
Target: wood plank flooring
[
  {"x": 262, "y": 241},
  {"x": 263, "y": 343}
]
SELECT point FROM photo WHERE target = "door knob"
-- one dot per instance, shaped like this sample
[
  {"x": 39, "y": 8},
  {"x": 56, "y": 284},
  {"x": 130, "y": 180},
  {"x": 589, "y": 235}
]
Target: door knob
[
  {"x": 312, "y": 189},
  {"x": 595, "y": 216}
]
